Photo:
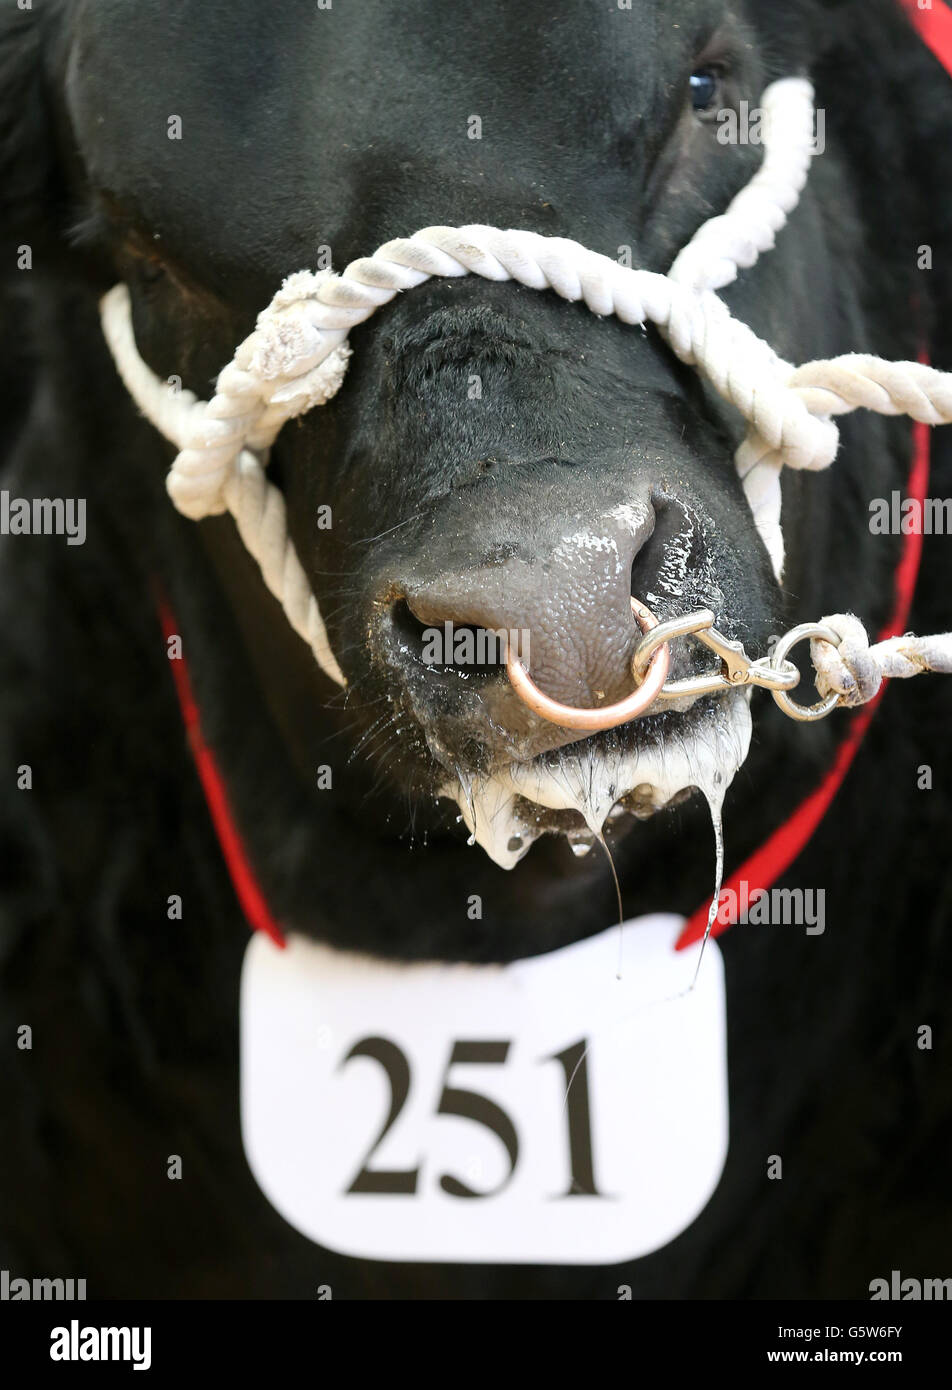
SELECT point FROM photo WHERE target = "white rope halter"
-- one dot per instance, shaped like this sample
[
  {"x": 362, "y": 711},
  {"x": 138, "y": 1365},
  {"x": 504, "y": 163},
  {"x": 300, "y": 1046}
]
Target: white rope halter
[{"x": 296, "y": 357}]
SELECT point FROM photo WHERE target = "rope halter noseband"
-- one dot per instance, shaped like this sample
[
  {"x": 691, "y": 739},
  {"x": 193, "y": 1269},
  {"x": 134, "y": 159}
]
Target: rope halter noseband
[{"x": 297, "y": 356}]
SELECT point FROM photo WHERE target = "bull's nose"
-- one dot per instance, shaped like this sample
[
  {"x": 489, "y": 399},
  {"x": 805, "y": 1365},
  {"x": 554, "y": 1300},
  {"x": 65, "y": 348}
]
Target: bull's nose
[{"x": 567, "y": 607}]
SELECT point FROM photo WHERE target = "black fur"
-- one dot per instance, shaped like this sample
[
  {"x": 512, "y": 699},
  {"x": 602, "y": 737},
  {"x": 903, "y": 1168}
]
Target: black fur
[{"x": 134, "y": 1017}]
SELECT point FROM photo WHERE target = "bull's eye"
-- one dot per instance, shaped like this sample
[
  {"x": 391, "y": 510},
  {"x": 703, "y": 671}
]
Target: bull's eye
[{"x": 705, "y": 89}]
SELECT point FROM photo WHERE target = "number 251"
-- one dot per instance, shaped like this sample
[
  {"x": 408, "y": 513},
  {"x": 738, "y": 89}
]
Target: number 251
[{"x": 471, "y": 1105}]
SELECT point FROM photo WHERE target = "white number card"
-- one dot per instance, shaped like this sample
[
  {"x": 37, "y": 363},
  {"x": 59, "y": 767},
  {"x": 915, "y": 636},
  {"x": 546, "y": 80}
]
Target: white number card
[{"x": 569, "y": 1109}]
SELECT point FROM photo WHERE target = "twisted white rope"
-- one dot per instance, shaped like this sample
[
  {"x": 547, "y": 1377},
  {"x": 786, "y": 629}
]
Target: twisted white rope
[
  {"x": 854, "y": 670},
  {"x": 297, "y": 356}
]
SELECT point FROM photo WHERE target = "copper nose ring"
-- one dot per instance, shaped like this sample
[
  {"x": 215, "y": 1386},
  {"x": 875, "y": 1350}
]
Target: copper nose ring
[{"x": 592, "y": 720}]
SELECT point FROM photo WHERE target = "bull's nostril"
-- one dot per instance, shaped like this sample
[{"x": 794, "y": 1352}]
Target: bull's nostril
[
  {"x": 667, "y": 552},
  {"x": 462, "y": 648}
]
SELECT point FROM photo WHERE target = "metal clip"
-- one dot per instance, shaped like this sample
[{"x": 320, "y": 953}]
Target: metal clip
[
  {"x": 736, "y": 668},
  {"x": 774, "y": 673}
]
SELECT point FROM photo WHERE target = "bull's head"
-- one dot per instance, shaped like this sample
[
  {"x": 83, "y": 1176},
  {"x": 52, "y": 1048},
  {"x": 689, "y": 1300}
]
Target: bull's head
[{"x": 498, "y": 459}]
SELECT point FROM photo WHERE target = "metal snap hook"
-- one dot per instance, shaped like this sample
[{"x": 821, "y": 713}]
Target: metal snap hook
[
  {"x": 735, "y": 667},
  {"x": 594, "y": 720}
]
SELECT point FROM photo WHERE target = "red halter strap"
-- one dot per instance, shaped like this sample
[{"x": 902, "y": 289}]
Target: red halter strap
[
  {"x": 935, "y": 28},
  {"x": 245, "y": 883}
]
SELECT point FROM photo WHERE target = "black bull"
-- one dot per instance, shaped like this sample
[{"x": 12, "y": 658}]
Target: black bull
[{"x": 304, "y": 128}]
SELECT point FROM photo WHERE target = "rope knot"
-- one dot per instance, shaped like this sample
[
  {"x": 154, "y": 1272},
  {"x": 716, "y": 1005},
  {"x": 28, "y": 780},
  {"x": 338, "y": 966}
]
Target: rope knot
[{"x": 850, "y": 669}]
